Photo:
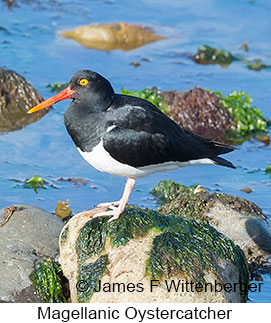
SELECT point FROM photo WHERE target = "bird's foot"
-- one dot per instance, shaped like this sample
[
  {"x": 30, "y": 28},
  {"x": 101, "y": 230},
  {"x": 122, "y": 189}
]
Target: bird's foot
[
  {"x": 114, "y": 211},
  {"x": 108, "y": 204}
]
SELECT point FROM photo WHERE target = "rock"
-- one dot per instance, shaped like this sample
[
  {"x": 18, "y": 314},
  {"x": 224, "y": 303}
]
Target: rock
[
  {"x": 231, "y": 119},
  {"x": 264, "y": 139},
  {"x": 199, "y": 111},
  {"x": 123, "y": 257},
  {"x": 17, "y": 96},
  {"x": 48, "y": 282},
  {"x": 209, "y": 55},
  {"x": 256, "y": 64},
  {"x": 113, "y": 36},
  {"x": 62, "y": 209},
  {"x": 239, "y": 219},
  {"x": 246, "y": 190},
  {"x": 29, "y": 234}
]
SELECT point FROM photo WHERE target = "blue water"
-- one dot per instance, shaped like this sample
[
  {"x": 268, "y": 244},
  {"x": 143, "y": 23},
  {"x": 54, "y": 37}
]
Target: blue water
[{"x": 33, "y": 47}]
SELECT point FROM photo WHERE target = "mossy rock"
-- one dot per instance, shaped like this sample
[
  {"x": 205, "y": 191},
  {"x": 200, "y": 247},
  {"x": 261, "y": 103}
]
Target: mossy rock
[
  {"x": 209, "y": 55},
  {"x": 144, "y": 245},
  {"x": 17, "y": 96},
  {"x": 113, "y": 36},
  {"x": 230, "y": 119},
  {"x": 46, "y": 279},
  {"x": 239, "y": 219}
]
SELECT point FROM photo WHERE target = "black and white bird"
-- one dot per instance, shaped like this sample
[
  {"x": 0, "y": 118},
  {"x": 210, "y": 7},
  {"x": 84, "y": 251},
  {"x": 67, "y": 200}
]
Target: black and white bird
[{"x": 127, "y": 136}]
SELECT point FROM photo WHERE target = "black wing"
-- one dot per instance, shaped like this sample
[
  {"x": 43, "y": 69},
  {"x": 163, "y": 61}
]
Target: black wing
[{"x": 144, "y": 136}]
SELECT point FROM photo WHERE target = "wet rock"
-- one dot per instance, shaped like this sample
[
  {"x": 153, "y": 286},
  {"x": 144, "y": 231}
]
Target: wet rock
[
  {"x": 113, "y": 36},
  {"x": 199, "y": 111},
  {"x": 264, "y": 139},
  {"x": 231, "y": 119},
  {"x": 17, "y": 96},
  {"x": 29, "y": 234},
  {"x": 246, "y": 190},
  {"x": 210, "y": 55},
  {"x": 123, "y": 257},
  {"x": 48, "y": 283},
  {"x": 62, "y": 210},
  {"x": 256, "y": 64},
  {"x": 239, "y": 219}
]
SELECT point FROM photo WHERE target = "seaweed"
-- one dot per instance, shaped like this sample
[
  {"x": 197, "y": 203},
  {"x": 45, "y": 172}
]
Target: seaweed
[
  {"x": 210, "y": 55},
  {"x": 34, "y": 182},
  {"x": 37, "y": 182},
  {"x": 189, "y": 248},
  {"x": 152, "y": 95},
  {"x": 47, "y": 282},
  {"x": 88, "y": 278},
  {"x": 181, "y": 247},
  {"x": 64, "y": 235},
  {"x": 191, "y": 202},
  {"x": 248, "y": 120},
  {"x": 57, "y": 87},
  {"x": 256, "y": 64}
]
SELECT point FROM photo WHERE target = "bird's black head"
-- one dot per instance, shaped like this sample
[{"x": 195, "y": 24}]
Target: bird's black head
[
  {"x": 92, "y": 91},
  {"x": 89, "y": 91}
]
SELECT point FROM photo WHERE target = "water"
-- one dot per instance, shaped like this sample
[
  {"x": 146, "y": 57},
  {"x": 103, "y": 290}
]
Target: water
[{"x": 33, "y": 47}]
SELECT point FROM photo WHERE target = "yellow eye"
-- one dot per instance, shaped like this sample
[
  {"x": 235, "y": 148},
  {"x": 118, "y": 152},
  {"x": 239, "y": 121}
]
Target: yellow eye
[{"x": 83, "y": 82}]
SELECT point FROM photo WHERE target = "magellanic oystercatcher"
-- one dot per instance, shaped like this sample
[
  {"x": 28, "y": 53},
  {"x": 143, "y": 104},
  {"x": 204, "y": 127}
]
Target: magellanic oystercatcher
[{"x": 127, "y": 136}]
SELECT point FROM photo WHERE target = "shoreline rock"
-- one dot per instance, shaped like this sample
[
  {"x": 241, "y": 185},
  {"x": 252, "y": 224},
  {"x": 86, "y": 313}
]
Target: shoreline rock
[
  {"x": 112, "y": 36},
  {"x": 29, "y": 234},
  {"x": 144, "y": 245},
  {"x": 17, "y": 96},
  {"x": 239, "y": 219},
  {"x": 230, "y": 119}
]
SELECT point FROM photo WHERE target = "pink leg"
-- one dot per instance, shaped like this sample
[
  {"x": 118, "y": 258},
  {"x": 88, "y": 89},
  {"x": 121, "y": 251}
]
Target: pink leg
[{"x": 118, "y": 210}]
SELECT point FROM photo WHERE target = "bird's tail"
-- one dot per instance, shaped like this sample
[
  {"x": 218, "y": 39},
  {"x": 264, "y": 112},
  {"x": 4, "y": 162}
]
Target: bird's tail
[{"x": 222, "y": 162}]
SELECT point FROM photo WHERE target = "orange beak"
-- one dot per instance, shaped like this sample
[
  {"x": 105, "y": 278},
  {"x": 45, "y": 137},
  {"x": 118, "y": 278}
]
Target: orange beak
[{"x": 63, "y": 95}]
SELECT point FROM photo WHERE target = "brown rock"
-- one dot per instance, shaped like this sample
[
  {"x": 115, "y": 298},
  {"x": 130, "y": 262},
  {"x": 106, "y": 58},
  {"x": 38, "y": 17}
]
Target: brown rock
[
  {"x": 264, "y": 139},
  {"x": 199, "y": 111},
  {"x": 246, "y": 190},
  {"x": 17, "y": 96},
  {"x": 113, "y": 36}
]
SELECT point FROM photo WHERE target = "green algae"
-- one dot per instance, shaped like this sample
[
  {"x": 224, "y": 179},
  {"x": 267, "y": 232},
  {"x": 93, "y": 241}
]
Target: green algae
[
  {"x": 181, "y": 200},
  {"x": 182, "y": 246},
  {"x": 35, "y": 182},
  {"x": 256, "y": 64},
  {"x": 135, "y": 222},
  {"x": 268, "y": 169},
  {"x": 64, "y": 235},
  {"x": 57, "y": 87},
  {"x": 248, "y": 120},
  {"x": 185, "y": 201},
  {"x": 88, "y": 278},
  {"x": 190, "y": 248},
  {"x": 152, "y": 95},
  {"x": 209, "y": 55},
  {"x": 46, "y": 281}
]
